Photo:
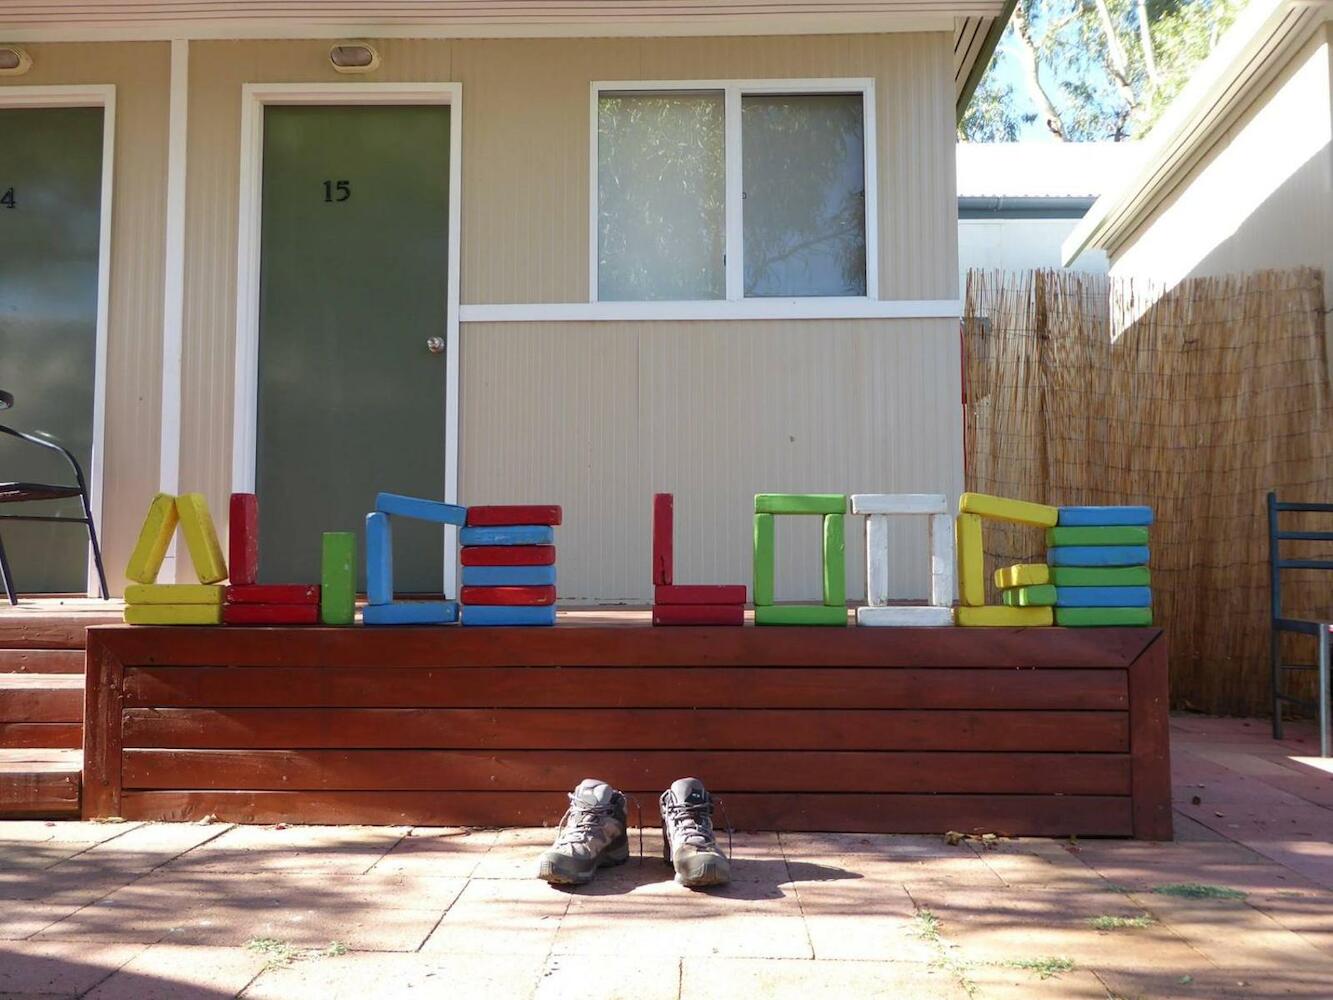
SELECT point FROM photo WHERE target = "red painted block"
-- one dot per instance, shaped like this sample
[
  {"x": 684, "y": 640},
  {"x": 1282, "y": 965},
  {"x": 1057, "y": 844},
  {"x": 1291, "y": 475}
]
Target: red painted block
[
  {"x": 525, "y": 596},
  {"x": 243, "y": 538},
  {"x": 663, "y": 545},
  {"x": 698, "y": 614},
  {"x": 270, "y": 614},
  {"x": 713, "y": 593},
  {"x": 274, "y": 593},
  {"x": 507, "y": 555},
  {"x": 513, "y": 514}
]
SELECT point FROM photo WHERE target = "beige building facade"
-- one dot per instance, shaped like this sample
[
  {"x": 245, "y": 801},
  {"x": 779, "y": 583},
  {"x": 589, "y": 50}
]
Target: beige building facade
[{"x": 551, "y": 394}]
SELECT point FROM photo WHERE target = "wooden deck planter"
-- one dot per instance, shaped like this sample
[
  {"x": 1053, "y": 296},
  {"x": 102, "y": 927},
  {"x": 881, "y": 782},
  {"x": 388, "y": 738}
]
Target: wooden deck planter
[{"x": 1037, "y": 731}]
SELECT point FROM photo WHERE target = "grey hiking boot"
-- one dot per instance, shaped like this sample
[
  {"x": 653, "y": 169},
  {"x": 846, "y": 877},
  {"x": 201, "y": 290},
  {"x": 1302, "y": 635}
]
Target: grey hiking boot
[
  {"x": 688, "y": 843},
  {"x": 592, "y": 835}
]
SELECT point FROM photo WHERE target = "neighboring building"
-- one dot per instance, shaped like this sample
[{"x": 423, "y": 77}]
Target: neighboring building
[
  {"x": 1238, "y": 174},
  {"x": 1019, "y": 201},
  {"x": 499, "y": 252}
]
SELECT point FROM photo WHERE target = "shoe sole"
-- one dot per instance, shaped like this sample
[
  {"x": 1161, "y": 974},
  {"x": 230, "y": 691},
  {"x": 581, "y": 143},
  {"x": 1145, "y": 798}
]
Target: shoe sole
[
  {"x": 705, "y": 872},
  {"x": 616, "y": 854}
]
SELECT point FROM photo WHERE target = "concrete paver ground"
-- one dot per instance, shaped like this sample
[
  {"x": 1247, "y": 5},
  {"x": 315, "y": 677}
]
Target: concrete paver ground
[{"x": 205, "y": 912}]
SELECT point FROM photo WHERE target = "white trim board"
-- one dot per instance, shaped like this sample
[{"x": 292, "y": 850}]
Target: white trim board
[
  {"x": 88, "y": 96},
  {"x": 733, "y": 91},
  {"x": 254, "y": 98},
  {"x": 719, "y": 309},
  {"x": 173, "y": 286}
]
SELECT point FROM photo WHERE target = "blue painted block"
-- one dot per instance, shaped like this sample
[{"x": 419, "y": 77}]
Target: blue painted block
[
  {"x": 1097, "y": 555},
  {"x": 522, "y": 534},
  {"x": 495, "y": 614},
  {"x": 1103, "y": 597},
  {"x": 420, "y": 510},
  {"x": 508, "y": 576},
  {"x": 379, "y": 559},
  {"x": 1098, "y": 517},
  {"x": 411, "y": 613}
]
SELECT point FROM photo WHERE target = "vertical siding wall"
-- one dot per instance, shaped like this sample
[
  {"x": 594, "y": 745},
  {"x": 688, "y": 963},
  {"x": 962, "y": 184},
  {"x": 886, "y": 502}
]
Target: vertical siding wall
[
  {"x": 599, "y": 415},
  {"x": 141, "y": 74}
]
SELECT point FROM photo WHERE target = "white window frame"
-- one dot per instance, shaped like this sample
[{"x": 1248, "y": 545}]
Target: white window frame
[{"x": 734, "y": 235}]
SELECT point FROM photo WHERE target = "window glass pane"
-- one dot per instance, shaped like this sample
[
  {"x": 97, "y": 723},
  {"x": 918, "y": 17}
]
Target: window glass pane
[
  {"x": 661, "y": 196},
  {"x": 804, "y": 176}
]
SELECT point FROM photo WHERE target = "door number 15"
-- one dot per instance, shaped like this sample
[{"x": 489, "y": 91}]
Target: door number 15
[{"x": 335, "y": 191}]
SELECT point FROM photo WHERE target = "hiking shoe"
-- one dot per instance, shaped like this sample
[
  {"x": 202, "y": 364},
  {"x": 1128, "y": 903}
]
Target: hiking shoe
[
  {"x": 688, "y": 843},
  {"x": 592, "y": 835}
]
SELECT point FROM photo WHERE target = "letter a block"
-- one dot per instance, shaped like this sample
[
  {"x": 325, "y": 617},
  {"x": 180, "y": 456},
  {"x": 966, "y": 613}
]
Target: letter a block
[
  {"x": 878, "y": 508},
  {"x": 154, "y": 540},
  {"x": 201, "y": 538},
  {"x": 829, "y": 506}
]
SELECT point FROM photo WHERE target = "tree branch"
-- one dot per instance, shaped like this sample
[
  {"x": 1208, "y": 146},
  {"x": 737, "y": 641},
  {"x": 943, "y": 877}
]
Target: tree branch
[
  {"x": 1027, "y": 55},
  {"x": 1119, "y": 58},
  {"x": 1145, "y": 40}
]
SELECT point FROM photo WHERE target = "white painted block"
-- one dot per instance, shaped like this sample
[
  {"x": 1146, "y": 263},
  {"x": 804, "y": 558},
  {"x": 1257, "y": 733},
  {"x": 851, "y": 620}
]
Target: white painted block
[
  {"x": 943, "y": 562},
  {"x": 904, "y": 616},
  {"x": 877, "y": 560},
  {"x": 900, "y": 503}
]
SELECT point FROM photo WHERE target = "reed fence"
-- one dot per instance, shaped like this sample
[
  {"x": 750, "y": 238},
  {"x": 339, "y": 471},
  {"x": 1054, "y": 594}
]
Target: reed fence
[{"x": 1197, "y": 399}]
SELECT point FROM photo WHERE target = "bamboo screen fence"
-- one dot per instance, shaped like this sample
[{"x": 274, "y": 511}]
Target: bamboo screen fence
[{"x": 1196, "y": 400}]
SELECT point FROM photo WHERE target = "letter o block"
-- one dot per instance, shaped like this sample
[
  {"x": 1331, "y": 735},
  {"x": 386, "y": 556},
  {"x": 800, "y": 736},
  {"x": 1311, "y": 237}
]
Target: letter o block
[
  {"x": 878, "y": 508},
  {"x": 830, "y": 508}
]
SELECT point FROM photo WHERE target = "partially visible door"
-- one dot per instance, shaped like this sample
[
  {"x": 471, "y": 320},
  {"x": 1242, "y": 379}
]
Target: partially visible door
[
  {"x": 353, "y": 288},
  {"x": 50, "y": 226}
]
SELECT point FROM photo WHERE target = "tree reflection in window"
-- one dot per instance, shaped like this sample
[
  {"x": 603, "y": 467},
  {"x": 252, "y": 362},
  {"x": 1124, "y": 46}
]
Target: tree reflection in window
[
  {"x": 804, "y": 205},
  {"x": 661, "y": 193}
]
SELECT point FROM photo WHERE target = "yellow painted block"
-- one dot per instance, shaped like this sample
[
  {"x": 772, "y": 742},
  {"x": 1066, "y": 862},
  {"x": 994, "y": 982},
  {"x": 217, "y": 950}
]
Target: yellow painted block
[
  {"x": 201, "y": 538},
  {"x": 174, "y": 593},
  {"x": 154, "y": 539},
  {"x": 1006, "y": 616},
  {"x": 1022, "y": 575},
  {"x": 971, "y": 560},
  {"x": 1016, "y": 511},
  {"x": 173, "y": 614}
]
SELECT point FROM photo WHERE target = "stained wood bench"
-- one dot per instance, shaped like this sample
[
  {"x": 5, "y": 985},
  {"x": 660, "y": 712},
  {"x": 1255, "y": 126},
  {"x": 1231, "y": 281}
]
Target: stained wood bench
[{"x": 1026, "y": 731}]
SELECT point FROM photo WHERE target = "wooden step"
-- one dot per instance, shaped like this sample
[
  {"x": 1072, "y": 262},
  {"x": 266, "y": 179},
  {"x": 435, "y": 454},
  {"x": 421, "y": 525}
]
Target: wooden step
[
  {"x": 41, "y": 661},
  {"x": 41, "y": 710},
  {"x": 40, "y": 784}
]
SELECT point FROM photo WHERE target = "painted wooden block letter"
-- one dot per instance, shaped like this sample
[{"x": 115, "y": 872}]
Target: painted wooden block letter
[
  {"x": 799, "y": 614},
  {"x": 877, "y": 559},
  {"x": 971, "y": 561},
  {"x": 1079, "y": 517},
  {"x": 154, "y": 539},
  {"x": 411, "y": 613},
  {"x": 1105, "y": 576},
  {"x": 1041, "y": 595},
  {"x": 508, "y": 576},
  {"x": 1116, "y": 534},
  {"x": 243, "y": 538},
  {"x": 905, "y": 616},
  {"x": 943, "y": 560},
  {"x": 1022, "y": 575},
  {"x": 700, "y": 594},
  {"x": 1003, "y": 616},
  {"x": 379, "y": 559},
  {"x": 763, "y": 560},
  {"x": 270, "y": 614},
  {"x": 1079, "y": 617},
  {"x": 174, "y": 593},
  {"x": 337, "y": 592},
  {"x": 1038, "y": 515},
  {"x": 698, "y": 614},
  {"x": 1098, "y": 555},
  {"x": 663, "y": 538},
  {"x": 418, "y": 509},
  {"x": 173, "y": 614},
  {"x": 507, "y": 555},
  {"x": 519, "y": 534},
  {"x": 900, "y": 503},
  {"x": 511, "y": 514},
  {"x": 513, "y": 596},
  {"x": 1103, "y": 597},
  {"x": 491, "y": 614},
  {"x": 201, "y": 538},
  {"x": 274, "y": 593},
  {"x": 835, "y": 562},
  {"x": 800, "y": 503}
]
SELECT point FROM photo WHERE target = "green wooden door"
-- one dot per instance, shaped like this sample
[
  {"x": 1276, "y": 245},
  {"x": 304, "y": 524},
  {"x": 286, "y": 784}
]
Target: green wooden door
[
  {"x": 353, "y": 284},
  {"x": 50, "y": 223}
]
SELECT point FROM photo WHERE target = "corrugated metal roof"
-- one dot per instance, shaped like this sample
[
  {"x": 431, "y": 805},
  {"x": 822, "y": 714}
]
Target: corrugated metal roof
[{"x": 1043, "y": 169}]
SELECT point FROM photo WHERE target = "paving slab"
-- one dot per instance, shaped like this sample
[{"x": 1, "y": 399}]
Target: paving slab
[
  {"x": 173, "y": 972},
  {"x": 999, "y": 982},
  {"x": 59, "y": 967},
  {"x": 861, "y": 919},
  {"x": 348, "y": 850},
  {"x": 22, "y": 918},
  {"x": 568, "y": 977},
  {"x": 404, "y": 977},
  {"x": 448, "y": 852},
  {"x": 729, "y": 978},
  {"x": 501, "y": 916}
]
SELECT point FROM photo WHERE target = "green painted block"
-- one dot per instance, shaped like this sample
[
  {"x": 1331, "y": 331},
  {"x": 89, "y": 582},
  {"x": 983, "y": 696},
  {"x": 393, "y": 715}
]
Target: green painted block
[
  {"x": 763, "y": 559},
  {"x": 1106, "y": 576},
  {"x": 799, "y": 614},
  {"x": 337, "y": 596},
  {"x": 1037, "y": 596},
  {"x": 1112, "y": 535},
  {"x": 800, "y": 503},
  {"x": 835, "y": 562},
  {"x": 1103, "y": 616}
]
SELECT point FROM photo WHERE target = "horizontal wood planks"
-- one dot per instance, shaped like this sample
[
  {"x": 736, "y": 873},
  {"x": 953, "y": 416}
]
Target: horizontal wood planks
[
  {"x": 909, "y": 730},
  {"x": 41, "y": 661},
  {"x": 56, "y": 735},
  {"x": 39, "y": 784}
]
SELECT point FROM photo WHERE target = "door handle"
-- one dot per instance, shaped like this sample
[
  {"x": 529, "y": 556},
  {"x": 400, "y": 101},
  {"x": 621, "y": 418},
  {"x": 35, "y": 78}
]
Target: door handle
[{"x": 435, "y": 345}]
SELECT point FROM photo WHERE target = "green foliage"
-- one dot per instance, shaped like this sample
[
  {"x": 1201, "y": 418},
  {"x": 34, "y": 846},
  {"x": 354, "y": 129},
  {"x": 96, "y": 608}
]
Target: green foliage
[
  {"x": 1103, "y": 79},
  {"x": 1045, "y": 967},
  {"x": 1106, "y": 922}
]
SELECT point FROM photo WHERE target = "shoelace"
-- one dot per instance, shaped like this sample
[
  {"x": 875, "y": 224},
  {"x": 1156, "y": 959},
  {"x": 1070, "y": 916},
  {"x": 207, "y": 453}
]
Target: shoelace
[
  {"x": 586, "y": 819},
  {"x": 694, "y": 820}
]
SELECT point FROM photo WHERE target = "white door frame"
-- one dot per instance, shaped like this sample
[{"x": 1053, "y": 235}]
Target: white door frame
[
  {"x": 88, "y": 96},
  {"x": 254, "y": 98}
]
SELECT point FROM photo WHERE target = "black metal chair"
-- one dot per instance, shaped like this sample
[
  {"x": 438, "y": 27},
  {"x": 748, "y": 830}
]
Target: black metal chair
[
  {"x": 25, "y": 492},
  {"x": 1322, "y": 631}
]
